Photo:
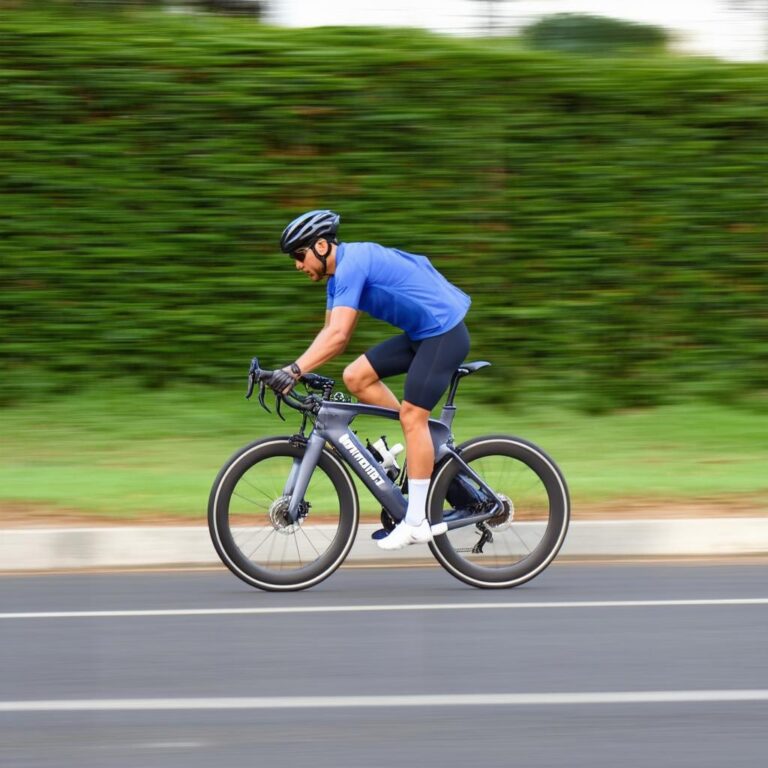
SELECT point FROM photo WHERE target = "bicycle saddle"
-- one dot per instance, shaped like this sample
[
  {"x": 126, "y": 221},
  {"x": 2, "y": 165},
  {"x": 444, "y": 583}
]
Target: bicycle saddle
[{"x": 466, "y": 368}]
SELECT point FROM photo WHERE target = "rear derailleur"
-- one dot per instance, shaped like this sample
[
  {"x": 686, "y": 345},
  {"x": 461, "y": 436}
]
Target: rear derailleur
[{"x": 486, "y": 537}]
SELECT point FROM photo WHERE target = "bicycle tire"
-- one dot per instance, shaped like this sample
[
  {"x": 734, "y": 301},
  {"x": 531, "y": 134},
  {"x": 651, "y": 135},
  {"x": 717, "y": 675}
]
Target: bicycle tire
[
  {"x": 554, "y": 494},
  {"x": 288, "y": 576}
]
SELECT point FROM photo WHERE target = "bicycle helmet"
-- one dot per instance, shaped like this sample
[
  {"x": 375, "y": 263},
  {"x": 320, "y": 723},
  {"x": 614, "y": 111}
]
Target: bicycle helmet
[{"x": 303, "y": 231}]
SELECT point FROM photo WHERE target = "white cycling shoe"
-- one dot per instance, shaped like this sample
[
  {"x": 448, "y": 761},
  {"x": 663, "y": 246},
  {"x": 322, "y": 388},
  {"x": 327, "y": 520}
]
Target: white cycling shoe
[{"x": 403, "y": 534}]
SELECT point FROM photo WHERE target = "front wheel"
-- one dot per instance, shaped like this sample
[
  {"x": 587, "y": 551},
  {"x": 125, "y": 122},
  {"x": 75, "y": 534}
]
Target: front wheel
[
  {"x": 252, "y": 531},
  {"x": 525, "y": 533}
]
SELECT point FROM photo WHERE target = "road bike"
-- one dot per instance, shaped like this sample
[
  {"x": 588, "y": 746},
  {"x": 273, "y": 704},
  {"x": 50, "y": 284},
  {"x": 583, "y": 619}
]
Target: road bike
[{"x": 284, "y": 511}]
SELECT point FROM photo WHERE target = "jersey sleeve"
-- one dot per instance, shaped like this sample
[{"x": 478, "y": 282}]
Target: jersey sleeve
[{"x": 349, "y": 283}]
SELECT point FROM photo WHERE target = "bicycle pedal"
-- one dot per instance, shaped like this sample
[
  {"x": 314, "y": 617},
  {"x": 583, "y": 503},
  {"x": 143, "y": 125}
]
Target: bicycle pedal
[{"x": 381, "y": 533}]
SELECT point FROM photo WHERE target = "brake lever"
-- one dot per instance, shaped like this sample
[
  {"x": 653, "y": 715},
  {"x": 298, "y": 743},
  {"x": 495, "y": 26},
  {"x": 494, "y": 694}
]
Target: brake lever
[
  {"x": 278, "y": 400},
  {"x": 253, "y": 375},
  {"x": 262, "y": 392}
]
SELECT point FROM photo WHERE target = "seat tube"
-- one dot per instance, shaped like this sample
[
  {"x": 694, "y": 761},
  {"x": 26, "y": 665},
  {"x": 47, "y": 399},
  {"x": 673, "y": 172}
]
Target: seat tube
[{"x": 301, "y": 478}]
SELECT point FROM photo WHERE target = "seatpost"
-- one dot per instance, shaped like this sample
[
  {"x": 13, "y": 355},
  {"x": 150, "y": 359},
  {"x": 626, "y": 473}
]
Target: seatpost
[
  {"x": 449, "y": 409},
  {"x": 452, "y": 389}
]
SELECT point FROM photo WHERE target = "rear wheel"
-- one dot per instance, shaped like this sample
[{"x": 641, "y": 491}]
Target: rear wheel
[
  {"x": 254, "y": 535},
  {"x": 524, "y": 535}
]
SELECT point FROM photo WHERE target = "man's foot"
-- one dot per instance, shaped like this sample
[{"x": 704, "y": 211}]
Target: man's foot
[{"x": 404, "y": 534}]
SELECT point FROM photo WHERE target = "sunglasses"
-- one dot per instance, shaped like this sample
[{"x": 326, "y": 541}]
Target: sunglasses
[{"x": 300, "y": 255}]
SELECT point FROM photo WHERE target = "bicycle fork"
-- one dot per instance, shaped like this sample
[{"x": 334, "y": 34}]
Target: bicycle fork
[{"x": 301, "y": 473}]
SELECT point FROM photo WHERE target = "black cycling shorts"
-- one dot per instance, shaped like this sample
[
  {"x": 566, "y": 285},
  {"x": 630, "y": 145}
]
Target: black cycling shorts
[{"x": 429, "y": 363}]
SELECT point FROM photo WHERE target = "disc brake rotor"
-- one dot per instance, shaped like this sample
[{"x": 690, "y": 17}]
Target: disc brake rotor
[{"x": 280, "y": 517}]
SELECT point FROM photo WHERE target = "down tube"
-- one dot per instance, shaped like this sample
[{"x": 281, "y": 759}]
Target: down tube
[
  {"x": 370, "y": 472},
  {"x": 373, "y": 475}
]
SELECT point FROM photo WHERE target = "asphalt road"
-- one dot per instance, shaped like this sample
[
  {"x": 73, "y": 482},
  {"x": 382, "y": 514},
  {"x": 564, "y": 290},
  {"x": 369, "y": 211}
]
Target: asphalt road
[{"x": 587, "y": 665}]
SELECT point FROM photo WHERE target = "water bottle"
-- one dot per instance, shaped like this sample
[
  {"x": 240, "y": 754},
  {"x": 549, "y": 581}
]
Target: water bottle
[{"x": 388, "y": 457}]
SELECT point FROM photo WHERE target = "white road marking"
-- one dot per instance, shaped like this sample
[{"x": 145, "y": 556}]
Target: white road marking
[
  {"x": 170, "y": 745},
  {"x": 376, "y": 608},
  {"x": 418, "y": 700}
]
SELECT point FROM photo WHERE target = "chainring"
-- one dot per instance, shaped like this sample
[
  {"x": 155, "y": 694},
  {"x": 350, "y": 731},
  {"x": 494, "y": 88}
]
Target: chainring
[{"x": 387, "y": 521}]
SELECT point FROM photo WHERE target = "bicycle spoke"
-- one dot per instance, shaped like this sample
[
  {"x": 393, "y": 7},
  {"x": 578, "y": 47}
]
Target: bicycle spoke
[
  {"x": 266, "y": 538},
  {"x": 296, "y": 542},
  {"x": 269, "y": 497},
  {"x": 272, "y": 539},
  {"x": 318, "y": 530},
  {"x": 248, "y": 536},
  {"x": 309, "y": 541},
  {"x": 520, "y": 538},
  {"x": 251, "y": 501}
]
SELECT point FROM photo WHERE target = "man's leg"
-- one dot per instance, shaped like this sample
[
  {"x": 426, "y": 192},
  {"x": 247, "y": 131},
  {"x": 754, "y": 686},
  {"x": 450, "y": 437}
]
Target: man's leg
[
  {"x": 364, "y": 383},
  {"x": 418, "y": 441},
  {"x": 428, "y": 377},
  {"x": 420, "y": 454},
  {"x": 421, "y": 460}
]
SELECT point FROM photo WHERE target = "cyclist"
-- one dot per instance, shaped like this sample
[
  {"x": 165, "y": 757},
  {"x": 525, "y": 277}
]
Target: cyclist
[{"x": 406, "y": 291}]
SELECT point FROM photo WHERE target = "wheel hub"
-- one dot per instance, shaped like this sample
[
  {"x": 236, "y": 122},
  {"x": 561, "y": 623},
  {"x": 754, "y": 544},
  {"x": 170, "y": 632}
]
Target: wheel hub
[
  {"x": 504, "y": 517},
  {"x": 281, "y": 519}
]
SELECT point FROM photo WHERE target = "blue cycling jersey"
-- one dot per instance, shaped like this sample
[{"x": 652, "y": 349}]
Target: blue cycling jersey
[{"x": 401, "y": 288}]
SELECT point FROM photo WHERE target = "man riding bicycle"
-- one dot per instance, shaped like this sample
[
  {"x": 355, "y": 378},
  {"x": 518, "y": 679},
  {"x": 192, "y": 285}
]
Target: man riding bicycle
[{"x": 406, "y": 291}]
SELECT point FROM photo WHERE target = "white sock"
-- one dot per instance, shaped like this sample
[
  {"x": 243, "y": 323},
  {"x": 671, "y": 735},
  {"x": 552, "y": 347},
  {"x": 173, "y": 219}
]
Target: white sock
[{"x": 417, "y": 501}]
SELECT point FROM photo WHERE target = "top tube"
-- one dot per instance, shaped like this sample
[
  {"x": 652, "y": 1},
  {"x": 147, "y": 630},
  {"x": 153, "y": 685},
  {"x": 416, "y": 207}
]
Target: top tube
[{"x": 334, "y": 416}]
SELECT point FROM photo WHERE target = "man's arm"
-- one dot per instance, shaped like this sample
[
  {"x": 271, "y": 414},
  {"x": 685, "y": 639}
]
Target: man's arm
[{"x": 340, "y": 323}]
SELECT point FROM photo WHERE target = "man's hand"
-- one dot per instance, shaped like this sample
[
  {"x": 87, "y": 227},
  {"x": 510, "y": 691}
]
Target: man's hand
[{"x": 282, "y": 381}]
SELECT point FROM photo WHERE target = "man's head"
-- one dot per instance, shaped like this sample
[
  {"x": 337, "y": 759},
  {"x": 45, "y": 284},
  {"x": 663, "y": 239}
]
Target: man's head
[
  {"x": 313, "y": 260},
  {"x": 309, "y": 240}
]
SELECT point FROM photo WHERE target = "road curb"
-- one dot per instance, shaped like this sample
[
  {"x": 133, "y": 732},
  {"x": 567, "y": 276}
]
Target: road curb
[{"x": 134, "y": 546}]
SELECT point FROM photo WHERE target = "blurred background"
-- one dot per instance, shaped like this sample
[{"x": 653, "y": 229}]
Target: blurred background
[{"x": 592, "y": 173}]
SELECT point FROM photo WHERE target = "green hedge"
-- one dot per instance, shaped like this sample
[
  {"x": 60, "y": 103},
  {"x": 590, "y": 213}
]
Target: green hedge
[
  {"x": 608, "y": 217},
  {"x": 583, "y": 33}
]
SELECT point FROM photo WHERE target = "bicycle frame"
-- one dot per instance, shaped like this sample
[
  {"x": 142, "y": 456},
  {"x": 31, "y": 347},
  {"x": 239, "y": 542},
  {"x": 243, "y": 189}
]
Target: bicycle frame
[{"x": 332, "y": 426}]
